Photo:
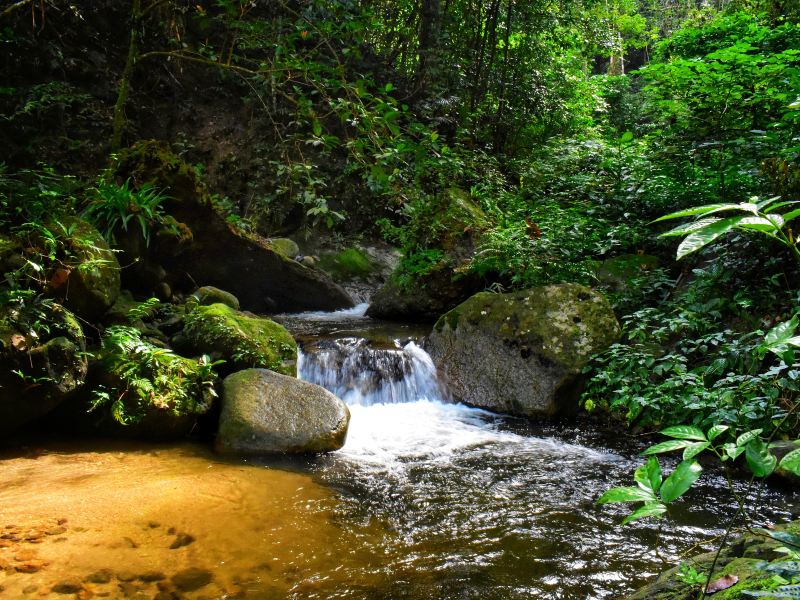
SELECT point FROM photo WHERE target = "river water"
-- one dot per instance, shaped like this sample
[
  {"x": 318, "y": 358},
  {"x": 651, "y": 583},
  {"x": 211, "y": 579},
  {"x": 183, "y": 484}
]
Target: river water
[{"x": 428, "y": 499}]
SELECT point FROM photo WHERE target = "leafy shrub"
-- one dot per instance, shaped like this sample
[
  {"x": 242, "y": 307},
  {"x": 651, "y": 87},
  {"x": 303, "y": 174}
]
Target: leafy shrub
[{"x": 151, "y": 378}]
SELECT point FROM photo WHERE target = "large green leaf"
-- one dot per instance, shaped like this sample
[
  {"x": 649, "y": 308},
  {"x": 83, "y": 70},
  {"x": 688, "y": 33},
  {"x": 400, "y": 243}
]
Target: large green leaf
[
  {"x": 791, "y": 215},
  {"x": 680, "y": 480},
  {"x": 694, "y": 449},
  {"x": 791, "y": 462},
  {"x": 698, "y": 239},
  {"x": 760, "y": 460},
  {"x": 627, "y": 494},
  {"x": 747, "y": 436},
  {"x": 655, "y": 509},
  {"x": 690, "y": 227},
  {"x": 698, "y": 210},
  {"x": 716, "y": 430},
  {"x": 667, "y": 446},
  {"x": 684, "y": 432},
  {"x": 648, "y": 476},
  {"x": 762, "y": 224},
  {"x": 781, "y": 332}
]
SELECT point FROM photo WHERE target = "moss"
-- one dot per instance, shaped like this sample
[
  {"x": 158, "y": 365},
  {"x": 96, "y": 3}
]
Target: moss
[
  {"x": 559, "y": 320},
  {"x": 243, "y": 341},
  {"x": 348, "y": 264},
  {"x": 285, "y": 246}
]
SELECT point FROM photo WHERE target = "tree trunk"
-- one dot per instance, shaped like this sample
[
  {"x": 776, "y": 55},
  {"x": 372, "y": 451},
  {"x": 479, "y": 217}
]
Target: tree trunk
[
  {"x": 429, "y": 33},
  {"x": 125, "y": 80}
]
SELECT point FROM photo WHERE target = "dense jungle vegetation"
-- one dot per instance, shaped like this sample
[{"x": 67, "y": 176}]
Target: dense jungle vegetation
[{"x": 499, "y": 144}]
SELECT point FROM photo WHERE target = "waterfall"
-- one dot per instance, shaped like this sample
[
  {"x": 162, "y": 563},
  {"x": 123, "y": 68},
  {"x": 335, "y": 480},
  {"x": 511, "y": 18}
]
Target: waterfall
[{"x": 363, "y": 375}]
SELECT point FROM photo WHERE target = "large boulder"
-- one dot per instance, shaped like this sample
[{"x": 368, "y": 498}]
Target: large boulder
[
  {"x": 522, "y": 353},
  {"x": 241, "y": 340},
  {"x": 264, "y": 280},
  {"x": 264, "y": 412},
  {"x": 43, "y": 353},
  {"x": 88, "y": 281}
]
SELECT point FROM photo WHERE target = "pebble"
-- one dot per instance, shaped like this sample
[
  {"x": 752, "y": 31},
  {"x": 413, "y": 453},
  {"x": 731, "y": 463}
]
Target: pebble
[
  {"x": 56, "y": 530},
  {"x": 192, "y": 579},
  {"x": 101, "y": 576},
  {"x": 30, "y": 589},
  {"x": 126, "y": 576},
  {"x": 182, "y": 539},
  {"x": 67, "y": 587},
  {"x": 150, "y": 576},
  {"x": 31, "y": 566}
]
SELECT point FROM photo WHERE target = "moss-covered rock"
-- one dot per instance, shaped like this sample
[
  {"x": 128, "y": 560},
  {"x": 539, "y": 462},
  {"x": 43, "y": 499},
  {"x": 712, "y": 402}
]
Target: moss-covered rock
[
  {"x": 264, "y": 412},
  {"x": 285, "y": 246},
  {"x": 351, "y": 263},
  {"x": 522, "y": 353},
  {"x": 241, "y": 340},
  {"x": 89, "y": 282},
  {"x": 38, "y": 371},
  {"x": 209, "y": 294},
  {"x": 745, "y": 560}
]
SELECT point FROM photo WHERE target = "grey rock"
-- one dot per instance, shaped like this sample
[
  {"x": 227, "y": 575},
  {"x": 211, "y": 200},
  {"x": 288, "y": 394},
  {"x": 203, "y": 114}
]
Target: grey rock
[{"x": 264, "y": 412}]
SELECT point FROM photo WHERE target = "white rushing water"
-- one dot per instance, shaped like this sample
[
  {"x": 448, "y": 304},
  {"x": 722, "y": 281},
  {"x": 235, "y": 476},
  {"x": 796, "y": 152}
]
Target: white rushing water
[{"x": 400, "y": 413}]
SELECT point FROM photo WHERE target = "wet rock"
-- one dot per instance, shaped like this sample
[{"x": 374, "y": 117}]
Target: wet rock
[
  {"x": 522, "y": 353},
  {"x": 30, "y": 566},
  {"x": 101, "y": 576},
  {"x": 132, "y": 590},
  {"x": 151, "y": 576},
  {"x": 265, "y": 412},
  {"x": 30, "y": 589},
  {"x": 182, "y": 539},
  {"x": 192, "y": 579},
  {"x": 67, "y": 587},
  {"x": 56, "y": 530},
  {"x": 126, "y": 576},
  {"x": 285, "y": 246}
]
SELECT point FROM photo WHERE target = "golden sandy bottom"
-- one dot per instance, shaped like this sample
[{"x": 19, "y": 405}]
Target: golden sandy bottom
[{"x": 167, "y": 522}]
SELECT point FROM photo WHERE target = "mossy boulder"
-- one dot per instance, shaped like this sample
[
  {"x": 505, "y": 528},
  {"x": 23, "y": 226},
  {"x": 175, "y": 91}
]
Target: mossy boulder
[
  {"x": 39, "y": 371},
  {"x": 745, "y": 560},
  {"x": 89, "y": 281},
  {"x": 348, "y": 264},
  {"x": 285, "y": 246},
  {"x": 209, "y": 294},
  {"x": 264, "y": 412},
  {"x": 241, "y": 340},
  {"x": 264, "y": 279},
  {"x": 522, "y": 353}
]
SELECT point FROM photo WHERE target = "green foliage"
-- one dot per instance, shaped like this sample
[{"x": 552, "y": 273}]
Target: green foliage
[
  {"x": 114, "y": 206},
  {"x": 35, "y": 195},
  {"x": 347, "y": 264},
  {"x": 150, "y": 378}
]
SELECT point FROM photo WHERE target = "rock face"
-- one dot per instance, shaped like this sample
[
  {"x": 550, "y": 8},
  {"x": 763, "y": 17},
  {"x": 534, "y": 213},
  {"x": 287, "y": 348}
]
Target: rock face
[
  {"x": 522, "y": 353},
  {"x": 264, "y": 280},
  {"x": 241, "y": 340},
  {"x": 54, "y": 365},
  {"x": 90, "y": 283},
  {"x": 445, "y": 285},
  {"x": 264, "y": 412}
]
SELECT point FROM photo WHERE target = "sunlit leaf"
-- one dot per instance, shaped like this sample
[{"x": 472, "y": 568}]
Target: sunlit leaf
[
  {"x": 627, "y": 494},
  {"x": 648, "y": 510},
  {"x": 684, "y": 432},
  {"x": 680, "y": 480}
]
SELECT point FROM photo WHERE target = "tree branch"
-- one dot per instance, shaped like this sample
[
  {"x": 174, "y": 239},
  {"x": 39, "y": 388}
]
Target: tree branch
[{"x": 8, "y": 10}]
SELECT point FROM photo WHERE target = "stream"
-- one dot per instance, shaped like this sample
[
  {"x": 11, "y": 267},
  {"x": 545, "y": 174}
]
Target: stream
[{"x": 428, "y": 499}]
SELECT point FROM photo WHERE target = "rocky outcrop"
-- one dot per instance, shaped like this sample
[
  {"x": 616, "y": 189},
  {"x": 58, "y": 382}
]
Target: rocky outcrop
[
  {"x": 746, "y": 563},
  {"x": 264, "y": 412},
  {"x": 88, "y": 283},
  {"x": 39, "y": 372},
  {"x": 241, "y": 340},
  {"x": 522, "y": 353},
  {"x": 426, "y": 295},
  {"x": 206, "y": 245}
]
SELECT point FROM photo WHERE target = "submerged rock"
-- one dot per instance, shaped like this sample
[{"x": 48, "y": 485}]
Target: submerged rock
[
  {"x": 241, "y": 340},
  {"x": 522, "y": 353},
  {"x": 264, "y": 412},
  {"x": 43, "y": 352}
]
